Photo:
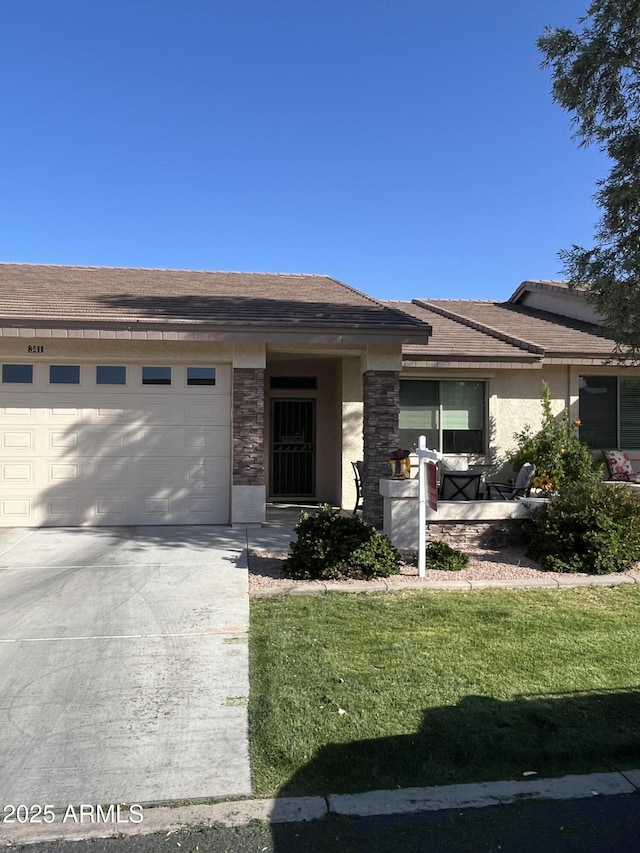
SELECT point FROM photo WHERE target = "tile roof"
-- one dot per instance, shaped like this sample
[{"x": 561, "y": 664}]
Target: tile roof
[
  {"x": 94, "y": 295},
  {"x": 500, "y": 330},
  {"x": 451, "y": 339}
]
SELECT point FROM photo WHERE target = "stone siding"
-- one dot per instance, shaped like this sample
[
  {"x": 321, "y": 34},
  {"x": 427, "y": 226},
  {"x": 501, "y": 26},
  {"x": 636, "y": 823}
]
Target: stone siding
[
  {"x": 471, "y": 534},
  {"x": 381, "y": 397},
  {"x": 248, "y": 426}
]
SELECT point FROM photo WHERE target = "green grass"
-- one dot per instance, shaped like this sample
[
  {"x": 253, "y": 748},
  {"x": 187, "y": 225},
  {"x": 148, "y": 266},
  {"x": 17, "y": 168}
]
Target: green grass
[{"x": 442, "y": 687}]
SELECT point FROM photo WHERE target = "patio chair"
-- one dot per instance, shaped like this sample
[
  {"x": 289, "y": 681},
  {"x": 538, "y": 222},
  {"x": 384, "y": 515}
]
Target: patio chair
[
  {"x": 619, "y": 467},
  {"x": 510, "y": 491},
  {"x": 460, "y": 485},
  {"x": 357, "y": 476}
]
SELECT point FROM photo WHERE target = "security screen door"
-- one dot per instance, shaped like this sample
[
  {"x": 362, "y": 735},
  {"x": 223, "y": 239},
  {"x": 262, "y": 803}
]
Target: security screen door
[{"x": 293, "y": 452}]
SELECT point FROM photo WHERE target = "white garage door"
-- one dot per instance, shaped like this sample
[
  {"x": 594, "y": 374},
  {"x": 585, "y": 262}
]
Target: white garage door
[{"x": 114, "y": 444}]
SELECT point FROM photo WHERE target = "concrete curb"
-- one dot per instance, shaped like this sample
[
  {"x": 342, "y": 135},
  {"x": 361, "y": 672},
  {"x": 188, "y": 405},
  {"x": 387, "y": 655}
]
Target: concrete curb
[
  {"x": 168, "y": 819},
  {"x": 570, "y": 582}
]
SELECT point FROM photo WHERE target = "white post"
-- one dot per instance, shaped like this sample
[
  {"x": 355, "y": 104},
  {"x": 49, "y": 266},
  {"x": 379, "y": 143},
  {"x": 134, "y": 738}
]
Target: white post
[
  {"x": 424, "y": 456},
  {"x": 422, "y": 506}
]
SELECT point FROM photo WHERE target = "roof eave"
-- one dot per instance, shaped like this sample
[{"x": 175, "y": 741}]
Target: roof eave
[{"x": 269, "y": 333}]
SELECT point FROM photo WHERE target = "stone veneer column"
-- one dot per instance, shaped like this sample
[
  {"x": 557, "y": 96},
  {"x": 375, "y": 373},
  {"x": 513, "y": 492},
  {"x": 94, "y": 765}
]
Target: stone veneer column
[
  {"x": 248, "y": 480},
  {"x": 248, "y": 426},
  {"x": 381, "y": 396}
]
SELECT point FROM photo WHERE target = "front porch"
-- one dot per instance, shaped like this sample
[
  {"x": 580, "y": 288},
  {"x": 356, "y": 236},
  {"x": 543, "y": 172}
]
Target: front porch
[{"x": 301, "y": 415}]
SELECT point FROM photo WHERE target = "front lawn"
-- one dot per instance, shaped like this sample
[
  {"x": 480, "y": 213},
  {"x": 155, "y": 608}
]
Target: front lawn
[{"x": 356, "y": 692}]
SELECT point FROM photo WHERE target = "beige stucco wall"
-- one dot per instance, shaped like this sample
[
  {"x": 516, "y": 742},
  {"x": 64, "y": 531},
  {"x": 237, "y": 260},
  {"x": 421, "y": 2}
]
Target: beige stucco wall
[
  {"x": 514, "y": 403},
  {"x": 567, "y": 304},
  {"x": 17, "y": 349},
  {"x": 352, "y": 440},
  {"x": 382, "y": 358},
  {"x": 249, "y": 355}
]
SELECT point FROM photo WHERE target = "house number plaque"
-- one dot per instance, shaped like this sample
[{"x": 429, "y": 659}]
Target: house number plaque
[{"x": 35, "y": 348}]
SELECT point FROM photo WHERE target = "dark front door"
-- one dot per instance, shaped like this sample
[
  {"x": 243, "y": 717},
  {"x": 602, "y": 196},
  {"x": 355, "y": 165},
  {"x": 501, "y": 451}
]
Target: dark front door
[{"x": 293, "y": 452}]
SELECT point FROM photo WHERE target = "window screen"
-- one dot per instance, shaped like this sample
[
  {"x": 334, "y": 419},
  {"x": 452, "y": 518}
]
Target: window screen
[{"x": 599, "y": 411}]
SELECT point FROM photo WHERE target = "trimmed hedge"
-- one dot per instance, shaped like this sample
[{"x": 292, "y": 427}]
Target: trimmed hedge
[
  {"x": 589, "y": 527},
  {"x": 332, "y": 546}
]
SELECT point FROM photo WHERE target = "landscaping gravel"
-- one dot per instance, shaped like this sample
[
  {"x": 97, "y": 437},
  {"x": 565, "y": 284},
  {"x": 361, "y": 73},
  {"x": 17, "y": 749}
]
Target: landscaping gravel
[{"x": 507, "y": 564}]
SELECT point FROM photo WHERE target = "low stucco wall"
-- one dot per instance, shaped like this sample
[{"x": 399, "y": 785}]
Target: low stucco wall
[{"x": 400, "y": 519}]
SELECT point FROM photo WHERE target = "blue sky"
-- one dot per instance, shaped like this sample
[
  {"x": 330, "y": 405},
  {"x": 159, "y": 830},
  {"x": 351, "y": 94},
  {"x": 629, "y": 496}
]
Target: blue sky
[{"x": 407, "y": 147}]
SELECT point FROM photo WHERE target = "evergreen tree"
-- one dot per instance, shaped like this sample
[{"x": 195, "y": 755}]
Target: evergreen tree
[{"x": 596, "y": 78}]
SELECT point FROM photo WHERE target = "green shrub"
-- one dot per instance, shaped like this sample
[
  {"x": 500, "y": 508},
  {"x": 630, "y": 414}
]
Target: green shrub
[
  {"x": 556, "y": 451},
  {"x": 440, "y": 555},
  {"x": 589, "y": 527},
  {"x": 331, "y": 546}
]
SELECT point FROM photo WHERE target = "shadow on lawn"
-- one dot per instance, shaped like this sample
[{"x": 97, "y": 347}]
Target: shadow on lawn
[{"x": 482, "y": 739}]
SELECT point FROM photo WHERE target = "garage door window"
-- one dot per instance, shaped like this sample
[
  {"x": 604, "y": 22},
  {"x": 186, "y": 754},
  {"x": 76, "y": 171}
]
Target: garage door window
[
  {"x": 201, "y": 376},
  {"x": 156, "y": 376},
  {"x": 64, "y": 374},
  {"x": 110, "y": 374},
  {"x": 17, "y": 373}
]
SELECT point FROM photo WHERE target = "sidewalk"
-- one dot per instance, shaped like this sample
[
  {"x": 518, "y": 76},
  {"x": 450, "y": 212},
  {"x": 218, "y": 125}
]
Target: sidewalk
[{"x": 169, "y": 819}]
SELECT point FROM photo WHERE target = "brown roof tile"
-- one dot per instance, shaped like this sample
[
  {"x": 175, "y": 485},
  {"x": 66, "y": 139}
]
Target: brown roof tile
[
  {"x": 482, "y": 330},
  {"x": 452, "y": 338},
  {"x": 552, "y": 333},
  {"x": 108, "y": 295}
]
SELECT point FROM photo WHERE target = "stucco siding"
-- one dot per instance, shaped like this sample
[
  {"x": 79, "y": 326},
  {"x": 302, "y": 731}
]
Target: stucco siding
[{"x": 515, "y": 403}]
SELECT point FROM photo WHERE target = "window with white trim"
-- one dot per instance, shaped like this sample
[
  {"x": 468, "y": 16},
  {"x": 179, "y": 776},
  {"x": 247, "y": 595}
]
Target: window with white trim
[
  {"x": 22, "y": 373},
  {"x": 111, "y": 374},
  {"x": 610, "y": 412},
  {"x": 201, "y": 376},
  {"x": 156, "y": 376},
  {"x": 451, "y": 414},
  {"x": 64, "y": 374}
]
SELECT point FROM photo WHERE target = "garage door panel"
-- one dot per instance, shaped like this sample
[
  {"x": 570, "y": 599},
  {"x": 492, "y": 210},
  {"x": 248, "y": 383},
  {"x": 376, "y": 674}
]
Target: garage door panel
[
  {"x": 65, "y": 413},
  {"x": 134, "y": 456},
  {"x": 111, "y": 510},
  {"x": 212, "y": 470},
  {"x": 205, "y": 440},
  {"x": 18, "y": 472},
  {"x": 18, "y": 441},
  {"x": 63, "y": 472},
  {"x": 17, "y": 510},
  {"x": 64, "y": 441},
  {"x": 214, "y": 412},
  {"x": 23, "y": 413},
  {"x": 106, "y": 470}
]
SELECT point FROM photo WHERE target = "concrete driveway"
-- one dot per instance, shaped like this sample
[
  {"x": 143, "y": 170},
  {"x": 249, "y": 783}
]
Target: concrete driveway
[{"x": 123, "y": 664}]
